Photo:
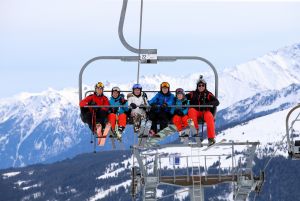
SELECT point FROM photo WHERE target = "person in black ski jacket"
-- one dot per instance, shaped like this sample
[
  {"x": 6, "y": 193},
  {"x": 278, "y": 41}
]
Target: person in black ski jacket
[{"x": 201, "y": 96}]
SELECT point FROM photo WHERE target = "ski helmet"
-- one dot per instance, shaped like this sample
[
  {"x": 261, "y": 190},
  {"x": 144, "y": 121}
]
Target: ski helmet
[
  {"x": 201, "y": 80},
  {"x": 115, "y": 89},
  {"x": 164, "y": 85},
  {"x": 180, "y": 91},
  {"x": 137, "y": 86},
  {"x": 99, "y": 85}
]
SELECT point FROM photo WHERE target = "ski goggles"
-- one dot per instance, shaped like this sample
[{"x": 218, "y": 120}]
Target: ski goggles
[
  {"x": 165, "y": 84},
  {"x": 99, "y": 85},
  {"x": 116, "y": 89},
  {"x": 179, "y": 91}
]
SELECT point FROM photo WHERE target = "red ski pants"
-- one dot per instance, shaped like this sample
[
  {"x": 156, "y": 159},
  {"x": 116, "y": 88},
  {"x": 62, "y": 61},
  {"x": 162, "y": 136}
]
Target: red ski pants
[
  {"x": 208, "y": 118},
  {"x": 112, "y": 120},
  {"x": 180, "y": 122}
]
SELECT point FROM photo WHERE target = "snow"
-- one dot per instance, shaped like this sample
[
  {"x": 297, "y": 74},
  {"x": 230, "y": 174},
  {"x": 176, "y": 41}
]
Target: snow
[
  {"x": 100, "y": 193},
  {"x": 20, "y": 182},
  {"x": 10, "y": 174},
  {"x": 111, "y": 174},
  {"x": 32, "y": 186},
  {"x": 181, "y": 194}
]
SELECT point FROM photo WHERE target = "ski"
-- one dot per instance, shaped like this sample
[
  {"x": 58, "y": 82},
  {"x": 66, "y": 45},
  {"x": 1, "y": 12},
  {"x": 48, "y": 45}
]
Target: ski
[
  {"x": 102, "y": 139},
  {"x": 215, "y": 144},
  {"x": 144, "y": 132}
]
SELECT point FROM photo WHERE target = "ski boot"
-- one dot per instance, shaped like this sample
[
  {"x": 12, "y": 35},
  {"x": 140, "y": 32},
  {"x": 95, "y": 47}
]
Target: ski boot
[
  {"x": 153, "y": 134},
  {"x": 119, "y": 133},
  {"x": 211, "y": 141}
]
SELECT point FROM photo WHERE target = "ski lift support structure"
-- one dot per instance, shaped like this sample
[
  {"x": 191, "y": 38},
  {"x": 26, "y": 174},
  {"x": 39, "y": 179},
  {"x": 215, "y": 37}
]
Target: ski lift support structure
[{"x": 293, "y": 145}]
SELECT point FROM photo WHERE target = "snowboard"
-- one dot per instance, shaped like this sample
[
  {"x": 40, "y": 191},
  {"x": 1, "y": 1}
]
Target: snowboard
[
  {"x": 152, "y": 141},
  {"x": 184, "y": 135},
  {"x": 194, "y": 131}
]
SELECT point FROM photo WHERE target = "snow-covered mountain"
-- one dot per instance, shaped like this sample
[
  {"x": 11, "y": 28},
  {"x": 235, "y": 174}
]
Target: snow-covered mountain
[
  {"x": 107, "y": 176},
  {"x": 46, "y": 126},
  {"x": 37, "y": 127}
]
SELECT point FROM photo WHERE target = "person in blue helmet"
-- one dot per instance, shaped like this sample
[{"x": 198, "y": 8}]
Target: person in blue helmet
[
  {"x": 160, "y": 112},
  {"x": 138, "y": 102}
]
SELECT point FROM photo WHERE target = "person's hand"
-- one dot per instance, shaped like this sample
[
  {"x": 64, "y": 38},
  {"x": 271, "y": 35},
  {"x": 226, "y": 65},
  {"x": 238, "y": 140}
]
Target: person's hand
[
  {"x": 154, "y": 106},
  {"x": 122, "y": 101},
  {"x": 179, "y": 113},
  {"x": 113, "y": 110},
  {"x": 92, "y": 103},
  {"x": 133, "y": 105},
  {"x": 164, "y": 105}
]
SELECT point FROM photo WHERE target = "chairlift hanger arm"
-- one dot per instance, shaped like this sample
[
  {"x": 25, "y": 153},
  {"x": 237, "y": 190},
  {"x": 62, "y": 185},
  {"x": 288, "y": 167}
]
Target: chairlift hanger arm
[
  {"x": 136, "y": 58},
  {"x": 121, "y": 34},
  {"x": 287, "y": 122}
]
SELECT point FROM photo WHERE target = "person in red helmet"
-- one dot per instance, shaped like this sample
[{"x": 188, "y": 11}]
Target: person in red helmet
[
  {"x": 95, "y": 116},
  {"x": 201, "y": 96}
]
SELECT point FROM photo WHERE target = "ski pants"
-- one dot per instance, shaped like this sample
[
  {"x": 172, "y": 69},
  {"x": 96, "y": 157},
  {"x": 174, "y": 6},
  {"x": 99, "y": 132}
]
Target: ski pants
[
  {"x": 180, "y": 122},
  {"x": 207, "y": 117},
  {"x": 161, "y": 117},
  {"x": 93, "y": 117},
  {"x": 121, "y": 120}
]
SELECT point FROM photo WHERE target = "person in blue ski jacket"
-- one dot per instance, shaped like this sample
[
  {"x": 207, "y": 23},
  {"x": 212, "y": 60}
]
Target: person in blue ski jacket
[
  {"x": 160, "y": 112},
  {"x": 117, "y": 99},
  {"x": 180, "y": 114}
]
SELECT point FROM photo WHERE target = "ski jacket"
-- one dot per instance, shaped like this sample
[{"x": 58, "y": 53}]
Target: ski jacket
[
  {"x": 159, "y": 99},
  {"x": 202, "y": 98},
  {"x": 95, "y": 99},
  {"x": 120, "y": 100},
  {"x": 178, "y": 102},
  {"x": 138, "y": 100}
]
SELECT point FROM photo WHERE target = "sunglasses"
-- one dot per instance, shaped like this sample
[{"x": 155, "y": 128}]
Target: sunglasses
[{"x": 201, "y": 85}]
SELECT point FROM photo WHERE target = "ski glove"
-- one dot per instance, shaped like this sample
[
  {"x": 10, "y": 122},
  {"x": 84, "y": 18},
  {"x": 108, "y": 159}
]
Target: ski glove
[
  {"x": 144, "y": 107},
  {"x": 133, "y": 105},
  {"x": 179, "y": 113},
  {"x": 113, "y": 110},
  {"x": 154, "y": 106},
  {"x": 92, "y": 103},
  {"x": 122, "y": 101},
  {"x": 164, "y": 105}
]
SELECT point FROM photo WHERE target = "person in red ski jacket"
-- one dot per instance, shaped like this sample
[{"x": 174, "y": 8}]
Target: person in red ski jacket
[
  {"x": 94, "y": 116},
  {"x": 201, "y": 96}
]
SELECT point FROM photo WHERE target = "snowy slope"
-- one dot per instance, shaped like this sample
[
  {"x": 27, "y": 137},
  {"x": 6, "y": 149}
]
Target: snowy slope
[{"x": 260, "y": 104}]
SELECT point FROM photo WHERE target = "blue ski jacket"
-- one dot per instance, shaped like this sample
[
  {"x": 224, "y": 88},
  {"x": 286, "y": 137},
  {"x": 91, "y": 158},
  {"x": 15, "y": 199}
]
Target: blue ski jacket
[
  {"x": 120, "y": 100},
  {"x": 178, "y": 102},
  {"x": 159, "y": 99}
]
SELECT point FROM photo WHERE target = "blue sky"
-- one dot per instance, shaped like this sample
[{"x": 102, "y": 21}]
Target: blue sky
[{"x": 44, "y": 43}]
